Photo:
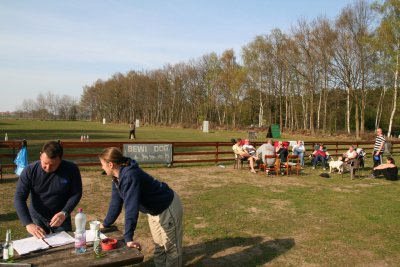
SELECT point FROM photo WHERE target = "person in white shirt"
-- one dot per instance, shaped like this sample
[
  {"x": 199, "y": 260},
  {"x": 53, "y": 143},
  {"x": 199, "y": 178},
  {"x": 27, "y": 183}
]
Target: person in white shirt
[
  {"x": 350, "y": 154},
  {"x": 299, "y": 149},
  {"x": 266, "y": 149}
]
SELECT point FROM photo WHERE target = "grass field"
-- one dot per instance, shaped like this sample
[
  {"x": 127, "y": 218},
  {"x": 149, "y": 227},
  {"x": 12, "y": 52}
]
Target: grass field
[{"x": 235, "y": 218}]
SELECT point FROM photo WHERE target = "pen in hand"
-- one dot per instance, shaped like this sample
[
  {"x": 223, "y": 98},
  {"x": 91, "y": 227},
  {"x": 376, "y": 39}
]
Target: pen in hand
[{"x": 50, "y": 246}]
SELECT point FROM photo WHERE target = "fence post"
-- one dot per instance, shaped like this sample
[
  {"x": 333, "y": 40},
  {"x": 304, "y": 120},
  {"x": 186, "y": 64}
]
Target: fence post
[
  {"x": 173, "y": 152},
  {"x": 216, "y": 154}
]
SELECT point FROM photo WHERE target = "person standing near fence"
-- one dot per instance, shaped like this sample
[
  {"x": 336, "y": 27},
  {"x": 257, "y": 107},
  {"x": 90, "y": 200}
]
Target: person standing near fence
[
  {"x": 137, "y": 191},
  {"x": 132, "y": 130},
  {"x": 378, "y": 147},
  {"x": 55, "y": 189}
]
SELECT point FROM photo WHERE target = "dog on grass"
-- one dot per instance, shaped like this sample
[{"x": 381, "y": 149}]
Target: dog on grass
[{"x": 336, "y": 164}]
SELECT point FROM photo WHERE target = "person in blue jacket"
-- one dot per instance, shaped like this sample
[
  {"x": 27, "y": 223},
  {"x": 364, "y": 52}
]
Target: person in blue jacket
[
  {"x": 55, "y": 189},
  {"x": 139, "y": 191}
]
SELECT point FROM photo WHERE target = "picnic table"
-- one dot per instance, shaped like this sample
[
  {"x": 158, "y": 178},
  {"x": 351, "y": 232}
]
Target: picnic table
[{"x": 65, "y": 255}]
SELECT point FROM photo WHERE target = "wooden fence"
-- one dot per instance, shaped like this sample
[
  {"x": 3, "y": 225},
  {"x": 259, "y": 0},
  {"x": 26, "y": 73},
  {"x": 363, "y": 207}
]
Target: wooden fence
[{"x": 86, "y": 153}]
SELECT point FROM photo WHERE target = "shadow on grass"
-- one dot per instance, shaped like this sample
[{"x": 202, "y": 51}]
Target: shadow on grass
[
  {"x": 8, "y": 180},
  {"x": 8, "y": 217},
  {"x": 238, "y": 251}
]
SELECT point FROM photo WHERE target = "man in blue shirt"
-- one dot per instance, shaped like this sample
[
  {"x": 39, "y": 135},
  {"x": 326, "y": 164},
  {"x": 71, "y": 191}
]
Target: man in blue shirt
[{"x": 55, "y": 188}]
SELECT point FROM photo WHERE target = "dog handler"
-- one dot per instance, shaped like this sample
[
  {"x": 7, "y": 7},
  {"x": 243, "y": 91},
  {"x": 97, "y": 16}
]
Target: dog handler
[
  {"x": 141, "y": 192},
  {"x": 378, "y": 147}
]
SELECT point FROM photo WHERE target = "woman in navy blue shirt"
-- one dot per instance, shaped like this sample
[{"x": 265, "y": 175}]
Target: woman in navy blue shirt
[{"x": 139, "y": 191}]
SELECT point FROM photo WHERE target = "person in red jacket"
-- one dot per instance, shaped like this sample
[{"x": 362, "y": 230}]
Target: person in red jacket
[{"x": 320, "y": 155}]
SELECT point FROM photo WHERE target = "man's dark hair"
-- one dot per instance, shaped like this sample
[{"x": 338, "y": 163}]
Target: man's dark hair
[
  {"x": 233, "y": 141},
  {"x": 52, "y": 149}
]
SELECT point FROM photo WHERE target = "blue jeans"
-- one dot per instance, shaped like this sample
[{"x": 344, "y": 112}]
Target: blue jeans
[
  {"x": 319, "y": 158},
  {"x": 300, "y": 153}
]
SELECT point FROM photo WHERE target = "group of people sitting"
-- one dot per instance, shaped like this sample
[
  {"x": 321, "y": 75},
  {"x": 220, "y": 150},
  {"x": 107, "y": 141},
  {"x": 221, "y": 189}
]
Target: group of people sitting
[
  {"x": 321, "y": 154},
  {"x": 247, "y": 152}
]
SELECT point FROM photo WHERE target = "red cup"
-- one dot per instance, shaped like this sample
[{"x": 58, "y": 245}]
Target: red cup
[{"x": 109, "y": 243}]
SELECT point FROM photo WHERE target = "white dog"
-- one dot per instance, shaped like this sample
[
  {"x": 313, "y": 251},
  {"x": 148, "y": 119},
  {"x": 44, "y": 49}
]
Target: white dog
[{"x": 338, "y": 164}]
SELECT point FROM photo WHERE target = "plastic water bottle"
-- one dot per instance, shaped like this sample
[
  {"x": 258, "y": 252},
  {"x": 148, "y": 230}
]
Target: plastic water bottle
[
  {"x": 6, "y": 137},
  {"x": 80, "y": 231}
]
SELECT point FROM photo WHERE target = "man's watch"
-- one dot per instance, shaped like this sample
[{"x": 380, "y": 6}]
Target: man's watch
[{"x": 65, "y": 213}]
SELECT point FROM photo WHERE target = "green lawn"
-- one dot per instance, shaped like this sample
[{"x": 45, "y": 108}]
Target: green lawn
[{"x": 235, "y": 218}]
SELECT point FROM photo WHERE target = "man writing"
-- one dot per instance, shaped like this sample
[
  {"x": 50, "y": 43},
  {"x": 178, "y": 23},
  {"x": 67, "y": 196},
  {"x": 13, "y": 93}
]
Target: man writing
[{"x": 55, "y": 186}]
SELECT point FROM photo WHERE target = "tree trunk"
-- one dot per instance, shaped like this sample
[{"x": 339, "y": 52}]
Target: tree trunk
[
  {"x": 319, "y": 110},
  {"x": 348, "y": 110},
  {"x": 312, "y": 113},
  {"x": 379, "y": 108},
  {"x": 356, "y": 118},
  {"x": 396, "y": 74}
]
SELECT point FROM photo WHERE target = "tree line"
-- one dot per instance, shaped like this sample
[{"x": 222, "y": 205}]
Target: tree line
[{"x": 322, "y": 76}]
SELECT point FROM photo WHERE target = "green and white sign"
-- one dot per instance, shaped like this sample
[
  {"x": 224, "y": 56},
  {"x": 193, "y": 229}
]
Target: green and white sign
[{"x": 149, "y": 153}]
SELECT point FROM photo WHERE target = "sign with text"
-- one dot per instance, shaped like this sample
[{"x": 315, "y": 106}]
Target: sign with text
[{"x": 149, "y": 153}]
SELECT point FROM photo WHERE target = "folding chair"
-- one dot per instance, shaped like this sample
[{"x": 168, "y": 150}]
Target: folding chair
[{"x": 292, "y": 164}]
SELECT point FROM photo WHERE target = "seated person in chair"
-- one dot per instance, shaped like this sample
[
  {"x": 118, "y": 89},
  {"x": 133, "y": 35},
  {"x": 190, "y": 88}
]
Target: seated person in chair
[
  {"x": 388, "y": 170},
  {"x": 242, "y": 154},
  {"x": 266, "y": 149},
  {"x": 320, "y": 155},
  {"x": 350, "y": 155},
  {"x": 299, "y": 150},
  {"x": 282, "y": 151},
  {"x": 250, "y": 149}
]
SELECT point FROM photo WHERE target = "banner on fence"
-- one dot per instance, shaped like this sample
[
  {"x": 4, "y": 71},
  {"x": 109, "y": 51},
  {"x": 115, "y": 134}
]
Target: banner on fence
[{"x": 149, "y": 153}]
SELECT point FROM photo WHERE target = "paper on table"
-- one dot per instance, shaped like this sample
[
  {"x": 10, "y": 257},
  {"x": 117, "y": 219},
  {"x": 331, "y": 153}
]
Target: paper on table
[
  {"x": 90, "y": 235},
  {"x": 59, "y": 239},
  {"x": 26, "y": 245}
]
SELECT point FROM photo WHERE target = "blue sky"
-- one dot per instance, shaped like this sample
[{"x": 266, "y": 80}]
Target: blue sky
[{"x": 61, "y": 46}]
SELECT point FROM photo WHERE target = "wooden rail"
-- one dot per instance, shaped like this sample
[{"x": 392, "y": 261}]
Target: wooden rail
[
  {"x": 8, "y": 152},
  {"x": 86, "y": 153}
]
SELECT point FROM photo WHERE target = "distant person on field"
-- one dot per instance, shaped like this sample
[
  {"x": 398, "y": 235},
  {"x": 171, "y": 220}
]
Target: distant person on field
[
  {"x": 55, "y": 189},
  {"x": 379, "y": 146},
  {"x": 388, "y": 170},
  {"x": 132, "y": 130}
]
